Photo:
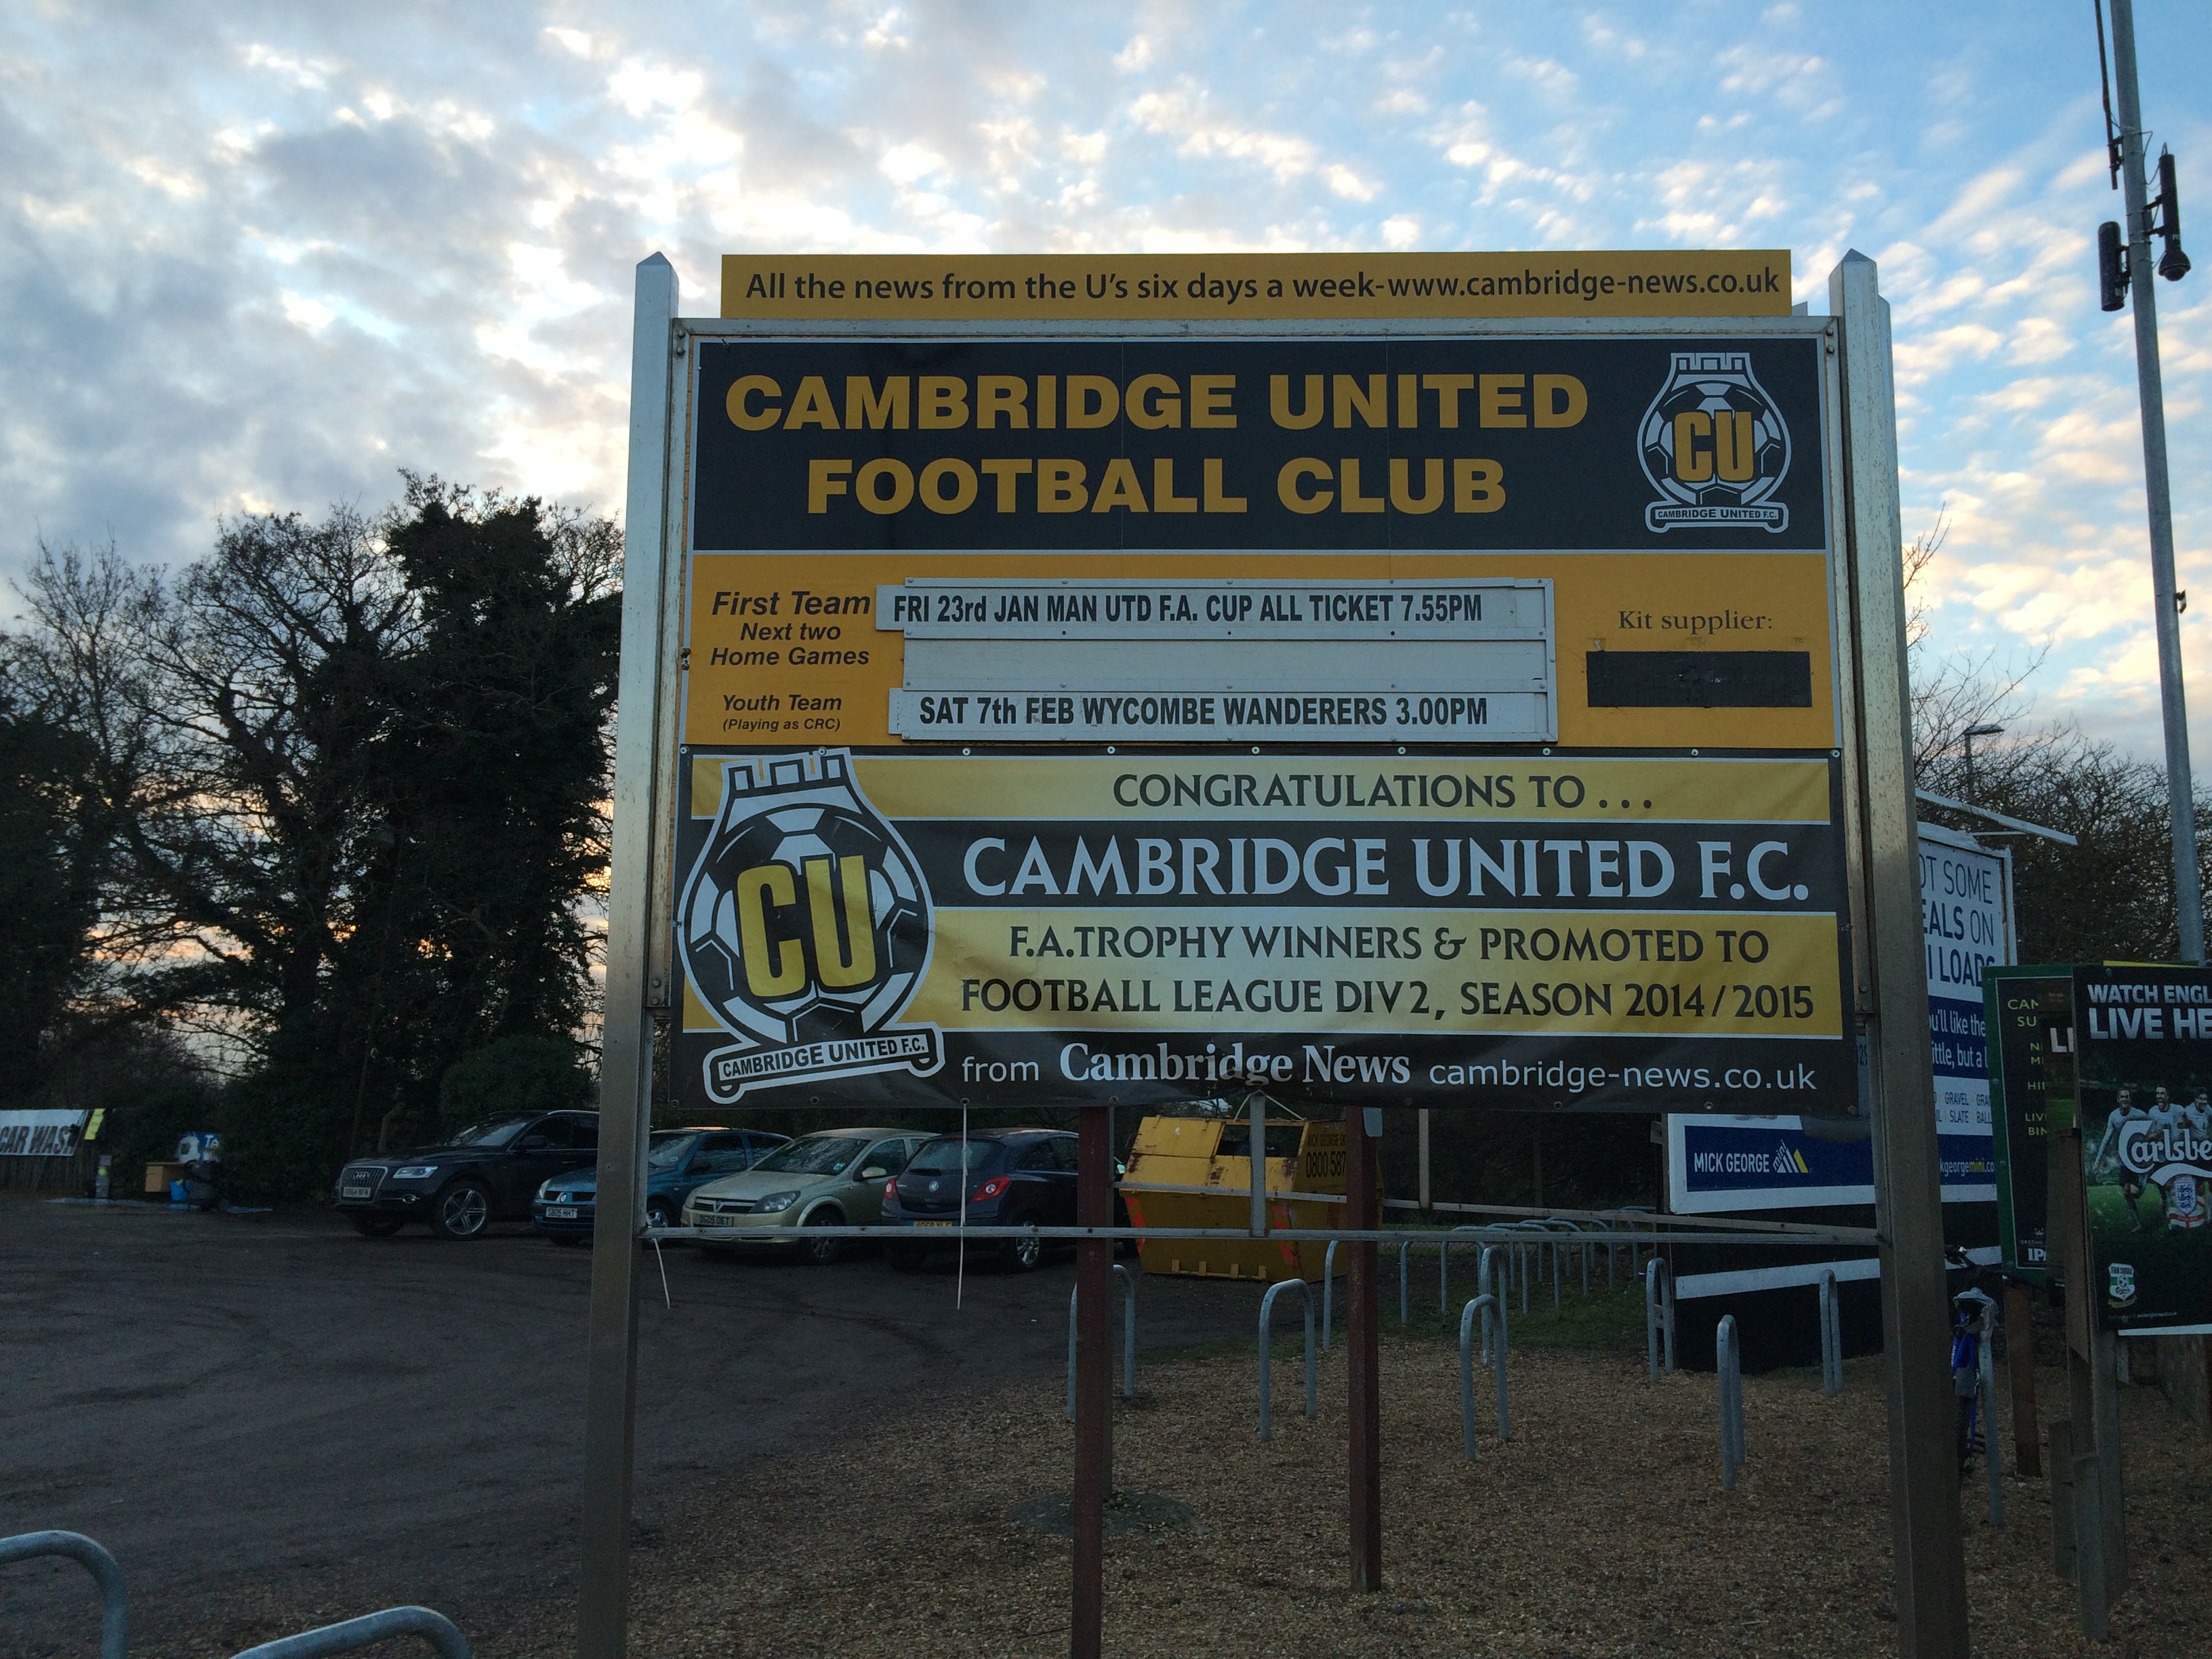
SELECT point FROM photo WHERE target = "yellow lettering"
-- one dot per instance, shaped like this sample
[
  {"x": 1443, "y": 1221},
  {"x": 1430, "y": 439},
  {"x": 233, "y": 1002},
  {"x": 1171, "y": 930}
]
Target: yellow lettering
[
  {"x": 1561, "y": 400},
  {"x": 901, "y": 477},
  {"x": 738, "y": 403},
  {"x": 1164, "y": 500},
  {"x": 944, "y": 402},
  {"x": 1119, "y": 488},
  {"x": 1371, "y": 403},
  {"x": 1216, "y": 500},
  {"x": 1059, "y": 487},
  {"x": 1153, "y": 403},
  {"x": 1448, "y": 388},
  {"x": 811, "y": 407},
  {"x": 1499, "y": 396},
  {"x": 1001, "y": 394},
  {"x": 863, "y": 407},
  {"x": 1477, "y": 486},
  {"x": 1692, "y": 463},
  {"x": 963, "y": 485},
  {"x": 1733, "y": 447},
  {"x": 1433, "y": 486},
  {"x": 1006, "y": 472},
  {"x": 1279, "y": 402},
  {"x": 1092, "y": 400},
  {"x": 854, "y": 963},
  {"x": 1209, "y": 400},
  {"x": 1353, "y": 501},
  {"x": 773, "y": 968},
  {"x": 823, "y": 480},
  {"x": 1295, "y": 473}
]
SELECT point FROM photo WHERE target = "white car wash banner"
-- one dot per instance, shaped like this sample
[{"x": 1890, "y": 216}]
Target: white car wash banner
[
  {"x": 1726, "y": 1163},
  {"x": 40, "y": 1134}
]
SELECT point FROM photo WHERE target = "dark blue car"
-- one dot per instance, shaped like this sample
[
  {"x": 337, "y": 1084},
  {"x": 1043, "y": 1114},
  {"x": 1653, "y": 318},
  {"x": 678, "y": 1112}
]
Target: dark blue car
[{"x": 677, "y": 1160}]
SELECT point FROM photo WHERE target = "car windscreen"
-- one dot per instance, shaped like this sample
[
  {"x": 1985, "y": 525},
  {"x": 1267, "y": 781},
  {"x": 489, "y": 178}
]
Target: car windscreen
[
  {"x": 827, "y": 1155},
  {"x": 943, "y": 1157},
  {"x": 496, "y": 1131},
  {"x": 668, "y": 1149}
]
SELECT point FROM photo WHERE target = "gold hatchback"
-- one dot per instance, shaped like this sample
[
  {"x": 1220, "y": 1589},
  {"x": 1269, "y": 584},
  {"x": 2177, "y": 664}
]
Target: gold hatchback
[{"x": 833, "y": 1178}]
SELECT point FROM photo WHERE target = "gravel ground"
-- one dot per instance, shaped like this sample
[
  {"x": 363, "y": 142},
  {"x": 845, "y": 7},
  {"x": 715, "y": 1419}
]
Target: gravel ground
[{"x": 1602, "y": 1528}]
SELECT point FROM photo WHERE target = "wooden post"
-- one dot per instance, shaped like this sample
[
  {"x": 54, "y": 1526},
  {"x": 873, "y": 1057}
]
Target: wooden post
[
  {"x": 2092, "y": 1441},
  {"x": 1094, "y": 1208},
  {"x": 2020, "y": 1351},
  {"x": 1363, "y": 1353}
]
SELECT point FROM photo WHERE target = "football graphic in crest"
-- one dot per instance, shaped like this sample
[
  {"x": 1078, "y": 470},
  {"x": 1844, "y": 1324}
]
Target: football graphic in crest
[
  {"x": 1714, "y": 446},
  {"x": 806, "y": 929}
]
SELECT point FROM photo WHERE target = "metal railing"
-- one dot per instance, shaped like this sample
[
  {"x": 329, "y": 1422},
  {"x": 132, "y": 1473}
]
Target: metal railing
[
  {"x": 351, "y": 1634},
  {"x": 1267, "y": 1355},
  {"x": 1658, "y": 1316},
  {"x": 1484, "y": 1305},
  {"x": 1729, "y": 1364},
  {"x": 114, "y": 1601},
  {"x": 1128, "y": 1339},
  {"x": 1485, "y": 1284},
  {"x": 1832, "y": 1337}
]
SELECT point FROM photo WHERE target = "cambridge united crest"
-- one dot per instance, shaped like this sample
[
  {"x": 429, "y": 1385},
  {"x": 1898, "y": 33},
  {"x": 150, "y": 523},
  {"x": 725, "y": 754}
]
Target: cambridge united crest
[
  {"x": 805, "y": 930},
  {"x": 1714, "y": 446}
]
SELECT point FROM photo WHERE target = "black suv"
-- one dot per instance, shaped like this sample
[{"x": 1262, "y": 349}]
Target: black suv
[{"x": 486, "y": 1173}]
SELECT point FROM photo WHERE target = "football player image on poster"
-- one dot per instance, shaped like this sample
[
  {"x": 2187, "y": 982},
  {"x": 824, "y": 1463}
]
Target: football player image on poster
[{"x": 2143, "y": 1040}]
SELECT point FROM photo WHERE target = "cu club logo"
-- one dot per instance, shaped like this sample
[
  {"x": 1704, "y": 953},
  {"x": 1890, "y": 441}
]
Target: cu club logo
[
  {"x": 805, "y": 930},
  {"x": 1714, "y": 446}
]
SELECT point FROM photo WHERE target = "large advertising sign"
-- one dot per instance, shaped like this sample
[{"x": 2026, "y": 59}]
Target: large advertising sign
[
  {"x": 2143, "y": 1039},
  {"x": 1426, "y": 718},
  {"x": 2031, "y": 1018},
  {"x": 1741, "y": 1162}
]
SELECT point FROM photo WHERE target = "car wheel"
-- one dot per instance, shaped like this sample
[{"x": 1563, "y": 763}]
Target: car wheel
[
  {"x": 821, "y": 1252},
  {"x": 658, "y": 1213},
  {"x": 462, "y": 1210},
  {"x": 376, "y": 1226},
  {"x": 1022, "y": 1255},
  {"x": 905, "y": 1258}
]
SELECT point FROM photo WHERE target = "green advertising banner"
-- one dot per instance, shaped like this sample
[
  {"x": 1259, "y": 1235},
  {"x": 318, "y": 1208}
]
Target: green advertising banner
[
  {"x": 2030, "y": 1017},
  {"x": 2143, "y": 1039}
]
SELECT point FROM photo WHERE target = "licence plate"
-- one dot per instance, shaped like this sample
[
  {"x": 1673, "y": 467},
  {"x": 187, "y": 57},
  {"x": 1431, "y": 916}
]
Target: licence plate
[
  {"x": 560, "y": 1213},
  {"x": 718, "y": 1221},
  {"x": 936, "y": 1223},
  {"x": 355, "y": 1192}
]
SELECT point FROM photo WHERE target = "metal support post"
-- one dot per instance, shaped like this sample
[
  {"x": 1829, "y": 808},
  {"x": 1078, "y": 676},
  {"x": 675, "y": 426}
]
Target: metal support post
[
  {"x": 1094, "y": 1208},
  {"x": 643, "y": 776},
  {"x": 1728, "y": 1350},
  {"x": 1362, "y": 1359},
  {"x": 1832, "y": 1337},
  {"x": 2189, "y": 900},
  {"x": 1424, "y": 1158},
  {"x": 1256, "y": 1120},
  {"x": 2019, "y": 1361},
  {"x": 1924, "y": 1483}
]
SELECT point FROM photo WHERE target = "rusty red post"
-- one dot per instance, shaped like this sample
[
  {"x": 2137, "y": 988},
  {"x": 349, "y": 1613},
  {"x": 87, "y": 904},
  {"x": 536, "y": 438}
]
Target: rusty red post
[{"x": 1362, "y": 1356}]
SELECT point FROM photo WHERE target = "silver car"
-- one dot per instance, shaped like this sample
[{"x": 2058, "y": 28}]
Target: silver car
[{"x": 833, "y": 1178}]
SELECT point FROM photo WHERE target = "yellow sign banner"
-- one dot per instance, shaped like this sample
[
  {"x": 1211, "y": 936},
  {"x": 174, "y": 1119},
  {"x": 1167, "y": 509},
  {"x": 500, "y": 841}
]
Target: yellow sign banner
[{"x": 1267, "y": 287}]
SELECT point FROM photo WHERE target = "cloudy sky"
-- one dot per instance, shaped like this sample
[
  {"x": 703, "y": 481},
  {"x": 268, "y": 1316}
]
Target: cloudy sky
[{"x": 256, "y": 255}]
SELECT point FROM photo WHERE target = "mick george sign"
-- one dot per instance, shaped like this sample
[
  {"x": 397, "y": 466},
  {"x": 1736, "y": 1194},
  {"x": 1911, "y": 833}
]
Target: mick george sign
[{"x": 1439, "y": 718}]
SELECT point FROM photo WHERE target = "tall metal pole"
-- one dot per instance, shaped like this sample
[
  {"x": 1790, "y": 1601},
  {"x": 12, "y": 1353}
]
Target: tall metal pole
[
  {"x": 1924, "y": 1477},
  {"x": 1094, "y": 1208},
  {"x": 626, "y": 1053},
  {"x": 2188, "y": 898}
]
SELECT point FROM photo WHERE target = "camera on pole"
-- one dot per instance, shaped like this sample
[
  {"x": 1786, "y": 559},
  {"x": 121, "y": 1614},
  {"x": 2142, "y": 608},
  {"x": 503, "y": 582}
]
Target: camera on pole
[
  {"x": 2112, "y": 268},
  {"x": 2173, "y": 263}
]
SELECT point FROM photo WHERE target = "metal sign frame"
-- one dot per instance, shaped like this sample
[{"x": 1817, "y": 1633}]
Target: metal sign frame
[{"x": 1871, "y": 708}]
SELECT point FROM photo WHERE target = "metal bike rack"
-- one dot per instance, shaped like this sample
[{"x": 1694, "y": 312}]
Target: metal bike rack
[
  {"x": 365, "y": 1632},
  {"x": 1832, "y": 1337},
  {"x": 1485, "y": 1285},
  {"x": 1484, "y": 1305},
  {"x": 1266, "y": 1361},
  {"x": 1128, "y": 1340},
  {"x": 1730, "y": 1352},
  {"x": 1328, "y": 1292},
  {"x": 1658, "y": 1315},
  {"x": 1443, "y": 1265},
  {"x": 114, "y": 1602},
  {"x": 1405, "y": 1308}
]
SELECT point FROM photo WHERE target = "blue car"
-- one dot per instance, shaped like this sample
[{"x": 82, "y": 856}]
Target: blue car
[{"x": 677, "y": 1161}]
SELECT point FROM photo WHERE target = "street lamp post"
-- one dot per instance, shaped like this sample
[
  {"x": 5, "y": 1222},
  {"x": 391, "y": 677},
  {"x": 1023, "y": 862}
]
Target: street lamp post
[{"x": 1968, "y": 737}]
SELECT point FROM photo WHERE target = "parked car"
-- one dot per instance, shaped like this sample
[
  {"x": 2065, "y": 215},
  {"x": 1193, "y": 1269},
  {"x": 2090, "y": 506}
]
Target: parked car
[
  {"x": 675, "y": 1162},
  {"x": 1010, "y": 1178},
  {"x": 835, "y": 1178},
  {"x": 487, "y": 1172}
]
